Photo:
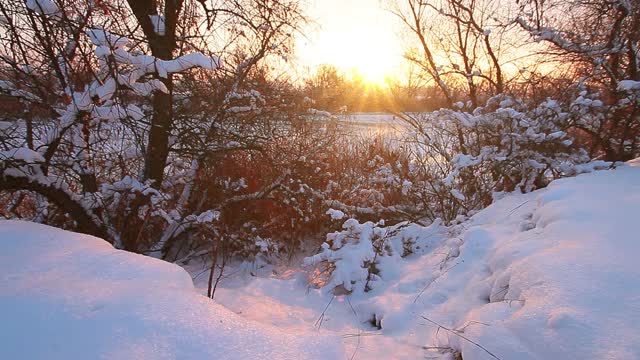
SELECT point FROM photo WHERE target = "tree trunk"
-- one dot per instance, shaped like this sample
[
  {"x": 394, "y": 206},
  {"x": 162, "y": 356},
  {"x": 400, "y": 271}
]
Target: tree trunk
[
  {"x": 158, "y": 143},
  {"x": 162, "y": 47}
]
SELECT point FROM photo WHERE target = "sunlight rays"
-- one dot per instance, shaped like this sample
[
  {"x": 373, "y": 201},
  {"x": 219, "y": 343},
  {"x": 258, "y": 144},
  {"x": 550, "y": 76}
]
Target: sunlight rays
[{"x": 359, "y": 38}]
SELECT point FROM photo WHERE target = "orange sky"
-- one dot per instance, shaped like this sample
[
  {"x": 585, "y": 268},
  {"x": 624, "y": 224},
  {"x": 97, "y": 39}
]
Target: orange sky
[{"x": 351, "y": 34}]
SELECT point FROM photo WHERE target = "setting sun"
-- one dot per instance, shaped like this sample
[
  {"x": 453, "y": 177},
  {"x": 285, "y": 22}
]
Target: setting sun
[{"x": 359, "y": 37}]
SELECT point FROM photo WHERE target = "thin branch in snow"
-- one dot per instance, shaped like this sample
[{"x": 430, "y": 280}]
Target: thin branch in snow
[
  {"x": 318, "y": 322},
  {"x": 457, "y": 333},
  {"x": 517, "y": 207},
  {"x": 355, "y": 314},
  {"x": 434, "y": 280}
]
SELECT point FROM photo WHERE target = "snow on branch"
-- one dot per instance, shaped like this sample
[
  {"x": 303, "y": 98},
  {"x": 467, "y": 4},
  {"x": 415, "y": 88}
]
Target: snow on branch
[{"x": 43, "y": 7}]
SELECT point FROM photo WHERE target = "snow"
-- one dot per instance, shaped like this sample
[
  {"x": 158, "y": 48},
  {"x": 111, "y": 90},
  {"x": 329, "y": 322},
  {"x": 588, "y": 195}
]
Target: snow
[
  {"x": 101, "y": 37},
  {"x": 239, "y": 109},
  {"x": 628, "y": 85},
  {"x": 319, "y": 113},
  {"x": 22, "y": 154},
  {"x": 107, "y": 43},
  {"x": 5, "y": 125},
  {"x": 70, "y": 296},
  {"x": 191, "y": 60},
  {"x": 158, "y": 24},
  {"x": 550, "y": 274},
  {"x": 335, "y": 214},
  {"x": 457, "y": 194},
  {"x": 43, "y": 7},
  {"x": 368, "y": 124},
  {"x": 11, "y": 89},
  {"x": 571, "y": 267},
  {"x": 208, "y": 216}
]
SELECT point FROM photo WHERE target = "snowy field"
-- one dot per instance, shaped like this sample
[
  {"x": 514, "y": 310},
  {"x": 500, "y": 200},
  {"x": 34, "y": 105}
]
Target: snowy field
[
  {"x": 373, "y": 119},
  {"x": 548, "y": 275},
  {"x": 373, "y": 124}
]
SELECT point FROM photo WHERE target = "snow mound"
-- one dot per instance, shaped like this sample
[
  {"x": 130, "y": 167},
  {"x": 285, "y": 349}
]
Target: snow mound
[
  {"x": 71, "y": 296},
  {"x": 548, "y": 275},
  {"x": 551, "y": 274}
]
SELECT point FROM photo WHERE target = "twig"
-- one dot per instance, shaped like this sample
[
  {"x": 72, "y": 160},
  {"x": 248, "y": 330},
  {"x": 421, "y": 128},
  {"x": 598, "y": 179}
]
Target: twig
[
  {"x": 318, "y": 322},
  {"x": 221, "y": 267},
  {"x": 454, "y": 332},
  {"x": 471, "y": 322},
  {"x": 502, "y": 291},
  {"x": 517, "y": 207},
  {"x": 434, "y": 279},
  {"x": 214, "y": 259},
  {"x": 510, "y": 301},
  {"x": 355, "y": 314},
  {"x": 346, "y": 336}
]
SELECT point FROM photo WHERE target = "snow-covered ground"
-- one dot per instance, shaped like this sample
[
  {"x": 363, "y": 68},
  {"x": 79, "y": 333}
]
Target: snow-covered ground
[
  {"x": 376, "y": 123},
  {"x": 548, "y": 275},
  {"x": 70, "y": 296},
  {"x": 369, "y": 124},
  {"x": 365, "y": 119},
  {"x": 385, "y": 125}
]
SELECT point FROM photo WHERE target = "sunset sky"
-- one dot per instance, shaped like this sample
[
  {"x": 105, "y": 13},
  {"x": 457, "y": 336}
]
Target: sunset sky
[{"x": 352, "y": 35}]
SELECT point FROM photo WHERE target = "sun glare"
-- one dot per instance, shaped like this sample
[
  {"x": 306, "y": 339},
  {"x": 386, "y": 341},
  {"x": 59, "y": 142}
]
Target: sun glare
[{"x": 360, "y": 37}]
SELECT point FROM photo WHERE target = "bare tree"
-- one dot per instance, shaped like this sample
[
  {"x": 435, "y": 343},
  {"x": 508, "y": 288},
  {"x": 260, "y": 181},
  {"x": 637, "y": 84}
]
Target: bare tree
[
  {"x": 116, "y": 164},
  {"x": 599, "y": 41},
  {"x": 458, "y": 45}
]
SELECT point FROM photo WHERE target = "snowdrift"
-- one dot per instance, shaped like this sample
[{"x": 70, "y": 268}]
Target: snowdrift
[
  {"x": 557, "y": 271},
  {"x": 552, "y": 274},
  {"x": 70, "y": 296}
]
